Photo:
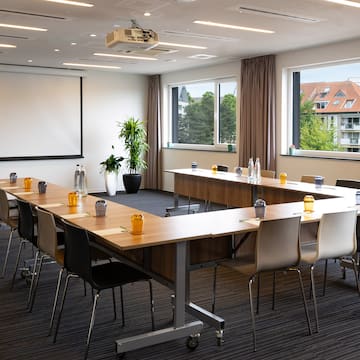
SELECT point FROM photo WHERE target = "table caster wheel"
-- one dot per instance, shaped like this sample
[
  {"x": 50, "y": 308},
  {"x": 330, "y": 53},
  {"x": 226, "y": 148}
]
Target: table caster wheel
[{"x": 193, "y": 341}]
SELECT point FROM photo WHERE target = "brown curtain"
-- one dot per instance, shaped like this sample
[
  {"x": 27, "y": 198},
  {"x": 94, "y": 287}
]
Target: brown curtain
[
  {"x": 257, "y": 111},
  {"x": 153, "y": 156}
]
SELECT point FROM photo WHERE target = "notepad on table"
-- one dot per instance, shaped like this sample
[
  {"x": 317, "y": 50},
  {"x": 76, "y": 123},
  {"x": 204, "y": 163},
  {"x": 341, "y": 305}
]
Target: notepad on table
[
  {"x": 112, "y": 231},
  {"x": 48, "y": 206},
  {"x": 11, "y": 187},
  {"x": 75, "y": 216},
  {"x": 253, "y": 221},
  {"x": 24, "y": 193}
]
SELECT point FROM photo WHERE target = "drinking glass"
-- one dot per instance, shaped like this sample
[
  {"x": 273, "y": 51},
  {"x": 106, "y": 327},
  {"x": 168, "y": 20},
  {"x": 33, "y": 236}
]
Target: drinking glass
[
  {"x": 13, "y": 177},
  {"x": 137, "y": 224},
  {"x": 27, "y": 183},
  {"x": 283, "y": 178},
  {"x": 73, "y": 197},
  {"x": 214, "y": 169},
  {"x": 309, "y": 203}
]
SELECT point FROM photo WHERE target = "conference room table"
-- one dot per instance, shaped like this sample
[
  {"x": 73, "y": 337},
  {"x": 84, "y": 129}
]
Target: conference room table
[{"x": 170, "y": 246}]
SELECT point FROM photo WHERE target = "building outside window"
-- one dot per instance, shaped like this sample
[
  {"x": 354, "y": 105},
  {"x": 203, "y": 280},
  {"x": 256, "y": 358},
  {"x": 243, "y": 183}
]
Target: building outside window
[
  {"x": 203, "y": 114},
  {"x": 326, "y": 109}
]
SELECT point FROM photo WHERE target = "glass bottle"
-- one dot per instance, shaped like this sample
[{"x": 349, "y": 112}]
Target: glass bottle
[
  {"x": 251, "y": 169},
  {"x": 77, "y": 178},
  {"x": 257, "y": 171},
  {"x": 82, "y": 182}
]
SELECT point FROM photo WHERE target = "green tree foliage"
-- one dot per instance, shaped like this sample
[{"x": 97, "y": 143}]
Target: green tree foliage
[
  {"x": 196, "y": 125},
  {"x": 315, "y": 134}
]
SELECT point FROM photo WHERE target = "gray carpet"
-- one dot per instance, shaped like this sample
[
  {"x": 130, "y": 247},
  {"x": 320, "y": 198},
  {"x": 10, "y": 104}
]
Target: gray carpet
[{"x": 282, "y": 334}]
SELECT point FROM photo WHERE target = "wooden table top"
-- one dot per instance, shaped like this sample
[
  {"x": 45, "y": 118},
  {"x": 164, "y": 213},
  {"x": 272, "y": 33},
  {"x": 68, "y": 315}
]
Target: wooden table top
[{"x": 114, "y": 229}]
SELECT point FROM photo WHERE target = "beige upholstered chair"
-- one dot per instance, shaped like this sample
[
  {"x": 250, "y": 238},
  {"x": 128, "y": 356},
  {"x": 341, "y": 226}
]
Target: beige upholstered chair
[
  {"x": 309, "y": 178},
  {"x": 277, "y": 249},
  {"x": 335, "y": 238},
  {"x": 48, "y": 245},
  {"x": 8, "y": 216}
]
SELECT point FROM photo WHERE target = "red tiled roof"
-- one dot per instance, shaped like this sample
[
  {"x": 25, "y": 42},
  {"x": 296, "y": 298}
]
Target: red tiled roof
[{"x": 326, "y": 91}]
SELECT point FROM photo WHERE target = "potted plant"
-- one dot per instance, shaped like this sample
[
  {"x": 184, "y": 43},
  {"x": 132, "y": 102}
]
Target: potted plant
[
  {"x": 133, "y": 133},
  {"x": 111, "y": 167}
]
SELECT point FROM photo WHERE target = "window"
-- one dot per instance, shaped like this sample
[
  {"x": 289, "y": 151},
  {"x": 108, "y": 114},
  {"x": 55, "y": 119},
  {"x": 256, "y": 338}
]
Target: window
[
  {"x": 324, "y": 125},
  {"x": 204, "y": 114}
]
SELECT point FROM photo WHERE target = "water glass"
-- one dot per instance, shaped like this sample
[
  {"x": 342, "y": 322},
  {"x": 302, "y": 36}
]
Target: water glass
[
  {"x": 194, "y": 165},
  {"x": 309, "y": 203},
  {"x": 214, "y": 169},
  {"x": 319, "y": 181},
  {"x": 42, "y": 185},
  {"x": 260, "y": 206},
  {"x": 238, "y": 170},
  {"x": 100, "y": 207},
  {"x": 13, "y": 177},
  {"x": 283, "y": 178}
]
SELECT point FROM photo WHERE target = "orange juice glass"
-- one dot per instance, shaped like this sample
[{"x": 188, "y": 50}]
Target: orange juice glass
[
  {"x": 283, "y": 178},
  {"x": 137, "y": 224},
  {"x": 73, "y": 197},
  {"x": 309, "y": 203},
  {"x": 214, "y": 169},
  {"x": 27, "y": 183}
]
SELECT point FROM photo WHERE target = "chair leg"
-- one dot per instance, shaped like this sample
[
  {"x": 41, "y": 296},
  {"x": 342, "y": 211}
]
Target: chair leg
[
  {"x": 55, "y": 300},
  {"x": 356, "y": 274},
  {"x": 304, "y": 299},
  {"x": 258, "y": 294},
  {"x": 122, "y": 306},
  {"x": 152, "y": 306},
  {"x": 21, "y": 245},
  {"x": 251, "y": 280},
  {"x": 7, "y": 252},
  {"x": 114, "y": 302},
  {"x": 33, "y": 276},
  {"x": 325, "y": 276},
  {"x": 314, "y": 296},
  {"x": 91, "y": 326},
  {"x": 214, "y": 290},
  {"x": 32, "y": 293},
  {"x": 62, "y": 305},
  {"x": 274, "y": 290}
]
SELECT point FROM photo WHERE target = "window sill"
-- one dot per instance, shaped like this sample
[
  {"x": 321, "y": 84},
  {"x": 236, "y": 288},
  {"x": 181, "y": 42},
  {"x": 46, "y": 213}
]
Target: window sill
[{"x": 312, "y": 155}]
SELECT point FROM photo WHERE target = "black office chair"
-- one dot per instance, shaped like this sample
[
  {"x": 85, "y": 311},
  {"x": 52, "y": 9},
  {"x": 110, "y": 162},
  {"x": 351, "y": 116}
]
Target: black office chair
[
  {"x": 223, "y": 168},
  {"x": 28, "y": 234},
  {"x": 78, "y": 263}
]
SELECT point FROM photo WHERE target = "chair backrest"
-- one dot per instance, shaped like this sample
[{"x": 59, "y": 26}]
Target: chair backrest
[
  {"x": 277, "y": 244},
  {"x": 309, "y": 178},
  {"x": 336, "y": 234},
  {"x": 354, "y": 184},
  {"x": 77, "y": 251},
  {"x": 223, "y": 168},
  {"x": 4, "y": 206},
  {"x": 26, "y": 227},
  {"x": 47, "y": 234}
]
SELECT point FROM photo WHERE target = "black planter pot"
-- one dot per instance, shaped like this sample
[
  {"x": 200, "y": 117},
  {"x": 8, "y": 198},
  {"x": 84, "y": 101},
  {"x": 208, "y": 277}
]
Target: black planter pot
[{"x": 132, "y": 183}]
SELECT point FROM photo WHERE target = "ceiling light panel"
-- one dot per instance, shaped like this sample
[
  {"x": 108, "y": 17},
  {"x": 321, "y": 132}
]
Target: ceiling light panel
[
  {"x": 20, "y": 27},
  {"x": 74, "y": 3},
  {"x": 233, "y": 27},
  {"x": 7, "y": 46},
  {"x": 345, "y": 2},
  {"x": 125, "y": 56},
  {"x": 182, "y": 45},
  {"x": 276, "y": 14},
  {"x": 92, "y": 66}
]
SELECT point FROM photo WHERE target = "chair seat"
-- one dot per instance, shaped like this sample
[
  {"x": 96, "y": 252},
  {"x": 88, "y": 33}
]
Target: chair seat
[
  {"x": 309, "y": 253},
  {"x": 115, "y": 274}
]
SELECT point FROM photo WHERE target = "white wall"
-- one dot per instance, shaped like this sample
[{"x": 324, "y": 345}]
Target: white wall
[
  {"x": 331, "y": 169},
  {"x": 176, "y": 158},
  {"x": 107, "y": 98}
]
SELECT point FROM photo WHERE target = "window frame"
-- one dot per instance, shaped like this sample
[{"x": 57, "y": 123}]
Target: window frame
[
  {"x": 291, "y": 110},
  {"x": 173, "y": 107}
]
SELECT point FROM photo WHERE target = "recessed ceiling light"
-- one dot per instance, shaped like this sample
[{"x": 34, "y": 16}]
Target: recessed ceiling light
[
  {"x": 29, "y": 61},
  {"x": 125, "y": 56},
  {"x": 7, "y": 46},
  {"x": 92, "y": 66},
  {"x": 345, "y": 2},
  {"x": 68, "y": 2},
  {"x": 73, "y": 43},
  {"x": 182, "y": 45},
  {"x": 236, "y": 27},
  {"x": 56, "y": 50},
  {"x": 22, "y": 27},
  {"x": 147, "y": 13},
  {"x": 202, "y": 56},
  {"x": 93, "y": 35}
]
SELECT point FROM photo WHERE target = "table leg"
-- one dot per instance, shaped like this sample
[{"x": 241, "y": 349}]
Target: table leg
[{"x": 180, "y": 328}]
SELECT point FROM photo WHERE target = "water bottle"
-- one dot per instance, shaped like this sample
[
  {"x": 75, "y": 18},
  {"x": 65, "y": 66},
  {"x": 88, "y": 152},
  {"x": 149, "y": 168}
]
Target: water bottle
[
  {"x": 82, "y": 182},
  {"x": 77, "y": 178},
  {"x": 257, "y": 174},
  {"x": 251, "y": 169}
]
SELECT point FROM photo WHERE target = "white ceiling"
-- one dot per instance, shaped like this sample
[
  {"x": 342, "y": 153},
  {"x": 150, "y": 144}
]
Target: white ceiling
[{"x": 173, "y": 21}]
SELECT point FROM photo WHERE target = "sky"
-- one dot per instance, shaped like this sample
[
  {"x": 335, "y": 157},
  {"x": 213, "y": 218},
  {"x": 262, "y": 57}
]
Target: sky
[{"x": 332, "y": 73}]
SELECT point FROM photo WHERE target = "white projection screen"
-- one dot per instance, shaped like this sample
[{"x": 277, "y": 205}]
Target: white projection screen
[{"x": 40, "y": 116}]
